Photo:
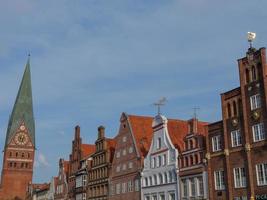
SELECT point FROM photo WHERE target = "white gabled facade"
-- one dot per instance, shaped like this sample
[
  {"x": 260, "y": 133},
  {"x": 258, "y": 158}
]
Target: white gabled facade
[{"x": 159, "y": 176}]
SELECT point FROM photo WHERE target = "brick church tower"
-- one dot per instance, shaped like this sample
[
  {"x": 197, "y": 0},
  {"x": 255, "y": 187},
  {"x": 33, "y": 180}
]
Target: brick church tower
[{"x": 19, "y": 146}]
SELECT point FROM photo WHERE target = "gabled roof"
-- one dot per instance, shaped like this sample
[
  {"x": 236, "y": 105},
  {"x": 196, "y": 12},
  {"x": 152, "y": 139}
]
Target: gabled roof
[
  {"x": 111, "y": 146},
  {"x": 87, "y": 150},
  {"x": 23, "y": 108},
  {"x": 143, "y": 132}
]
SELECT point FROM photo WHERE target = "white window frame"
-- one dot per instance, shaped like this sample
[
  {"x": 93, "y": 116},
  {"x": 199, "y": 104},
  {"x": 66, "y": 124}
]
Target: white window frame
[
  {"x": 216, "y": 143},
  {"x": 123, "y": 188},
  {"x": 219, "y": 180},
  {"x": 159, "y": 143},
  {"x": 118, "y": 154},
  {"x": 240, "y": 178},
  {"x": 236, "y": 138},
  {"x": 118, "y": 188},
  {"x": 261, "y": 173},
  {"x": 258, "y": 132},
  {"x": 124, "y": 139},
  {"x": 255, "y": 101},
  {"x": 130, "y": 186},
  {"x": 130, "y": 165},
  {"x": 184, "y": 188}
]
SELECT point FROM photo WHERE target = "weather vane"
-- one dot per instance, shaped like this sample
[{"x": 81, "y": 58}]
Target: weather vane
[
  {"x": 251, "y": 36},
  {"x": 159, "y": 103}
]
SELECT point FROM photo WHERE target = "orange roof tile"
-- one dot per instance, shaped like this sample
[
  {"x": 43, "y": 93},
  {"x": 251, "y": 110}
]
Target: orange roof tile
[
  {"x": 87, "y": 149},
  {"x": 177, "y": 129}
]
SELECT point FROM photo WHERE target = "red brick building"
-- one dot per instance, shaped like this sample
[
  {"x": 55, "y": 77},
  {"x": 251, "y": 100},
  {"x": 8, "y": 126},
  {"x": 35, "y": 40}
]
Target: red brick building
[
  {"x": 79, "y": 152},
  {"x": 132, "y": 144},
  {"x": 192, "y": 164},
  {"x": 19, "y": 146},
  {"x": 237, "y": 146},
  {"x": 100, "y": 167}
]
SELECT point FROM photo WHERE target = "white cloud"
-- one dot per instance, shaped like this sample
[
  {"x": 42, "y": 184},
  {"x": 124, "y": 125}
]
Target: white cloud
[{"x": 41, "y": 161}]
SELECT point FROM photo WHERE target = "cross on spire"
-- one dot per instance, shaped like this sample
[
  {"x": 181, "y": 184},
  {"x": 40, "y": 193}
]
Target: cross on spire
[{"x": 159, "y": 103}]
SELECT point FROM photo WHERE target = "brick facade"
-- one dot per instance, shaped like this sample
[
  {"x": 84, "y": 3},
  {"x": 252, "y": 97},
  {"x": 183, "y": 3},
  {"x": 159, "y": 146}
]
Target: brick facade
[
  {"x": 100, "y": 167},
  {"x": 241, "y": 150}
]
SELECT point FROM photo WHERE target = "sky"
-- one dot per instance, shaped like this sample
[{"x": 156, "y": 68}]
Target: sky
[{"x": 91, "y": 60}]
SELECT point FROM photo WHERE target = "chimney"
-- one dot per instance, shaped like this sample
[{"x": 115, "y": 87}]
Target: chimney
[{"x": 101, "y": 132}]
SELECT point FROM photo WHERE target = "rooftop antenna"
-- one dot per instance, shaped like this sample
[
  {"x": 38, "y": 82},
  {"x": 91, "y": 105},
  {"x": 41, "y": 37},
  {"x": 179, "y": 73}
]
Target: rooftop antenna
[
  {"x": 251, "y": 37},
  {"x": 195, "y": 109},
  {"x": 159, "y": 103}
]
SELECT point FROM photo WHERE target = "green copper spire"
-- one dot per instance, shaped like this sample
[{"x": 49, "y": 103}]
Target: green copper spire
[{"x": 23, "y": 109}]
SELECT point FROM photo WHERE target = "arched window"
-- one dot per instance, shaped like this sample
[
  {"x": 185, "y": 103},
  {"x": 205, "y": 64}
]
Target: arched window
[
  {"x": 186, "y": 161},
  {"x": 17, "y": 154},
  {"x": 166, "y": 177},
  {"x": 170, "y": 177},
  {"x": 15, "y": 164},
  {"x": 196, "y": 159},
  {"x": 29, "y": 155},
  {"x": 229, "y": 110},
  {"x": 160, "y": 179},
  {"x": 22, "y": 155},
  {"x": 150, "y": 180},
  {"x": 155, "y": 180},
  {"x": 191, "y": 144},
  {"x": 254, "y": 75},
  {"x": 10, "y": 154},
  {"x": 247, "y": 76},
  {"x": 191, "y": 160},
  {"x": 235, "y": 108}
]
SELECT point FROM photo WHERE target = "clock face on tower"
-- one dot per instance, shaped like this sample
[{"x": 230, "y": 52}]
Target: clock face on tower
[{"x": 21, "y": 138}]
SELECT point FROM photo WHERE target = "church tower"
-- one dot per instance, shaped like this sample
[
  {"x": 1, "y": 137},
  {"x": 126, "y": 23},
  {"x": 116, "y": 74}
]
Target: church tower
[{"x": 19, "y": 146}]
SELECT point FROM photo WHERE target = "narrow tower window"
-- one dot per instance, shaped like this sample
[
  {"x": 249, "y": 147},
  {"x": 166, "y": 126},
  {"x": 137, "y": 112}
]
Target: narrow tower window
[
  {"x": 247, "y": 76},
  {"x": 254, "y": 75},
  {"x": 229, "y": 110},
  {"x": 235, "y": 108}
]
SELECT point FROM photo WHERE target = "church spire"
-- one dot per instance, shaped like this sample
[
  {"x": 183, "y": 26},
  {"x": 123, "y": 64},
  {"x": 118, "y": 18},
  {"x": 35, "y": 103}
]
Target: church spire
[{"x": 23, "y": 108}]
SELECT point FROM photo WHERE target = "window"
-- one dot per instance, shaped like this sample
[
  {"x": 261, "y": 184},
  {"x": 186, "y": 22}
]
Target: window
[
  {"x": 159, "y": 143},
  {"x": 112, "y": 190},
  {"x": 118, "y": 188},
  {"x": 124, "y": 152},
  {"x": 123, "y": 188},
  {"x": 229, "y": 110},
  {"x": 118, "y": 154},
  {"x": 164, "y": 159},
  {"x": 219, "y": 180},
  {"x": 254, "y": 76},
  {"x": 236, "y": 138},
  {"x": 171, "y": 196},
  {"x": 124, "y": 138},
  {"x": 200, "y": 186},
  {"x": 192, "y": 191},
  {"x": 137, "y": 185},
  {"x": 146, "y": 182},
  {"x": 159, "y": 161},
  {"x": 130, "y": 165},
  {"x": 162, "y": 196},
  {"x": 131, "y": 150},
  {"x": 184, "y": 188},
  {"x": 147, "y": 198},
  {"x": 154, "y": 197},
  {"x": 154, "y": 162},
  {"x": 261, "y": 171},
  {"x": 160, "y": 179},
  {"x": 255, "y": 102},
  {"x": 166, "y": 177},
  {"x": 240, "y": 177},
  {"x": 155, "y": 180},
  {"x": 118, "y": 168},
  {"x": 150, "y": 180},
  {"x": 216, "y": 143},
  {"x": 170, "y": 177},
  {"x": 258, "y": 132},
  {"x": 124, "y": 167},
  {"x": 130, "y": 186},
  {"x": 247, "y": 76}
]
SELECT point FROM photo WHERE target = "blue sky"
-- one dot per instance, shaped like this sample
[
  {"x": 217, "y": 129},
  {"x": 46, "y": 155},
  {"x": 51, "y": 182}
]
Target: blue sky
[{"x": 91, "y": 60}]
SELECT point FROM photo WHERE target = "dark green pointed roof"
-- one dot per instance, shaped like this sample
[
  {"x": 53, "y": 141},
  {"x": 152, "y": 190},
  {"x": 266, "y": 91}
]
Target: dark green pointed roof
[{"x": 23, "y": 108}]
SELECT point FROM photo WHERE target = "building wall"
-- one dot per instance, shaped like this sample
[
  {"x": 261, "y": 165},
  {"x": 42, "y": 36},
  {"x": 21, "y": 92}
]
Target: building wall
[
  {"x": 100, "y": 167},
  {"x": 126, "y": 165},
  {"x": 238, "y": 115},
  {"x": 159, "y": 176}
]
